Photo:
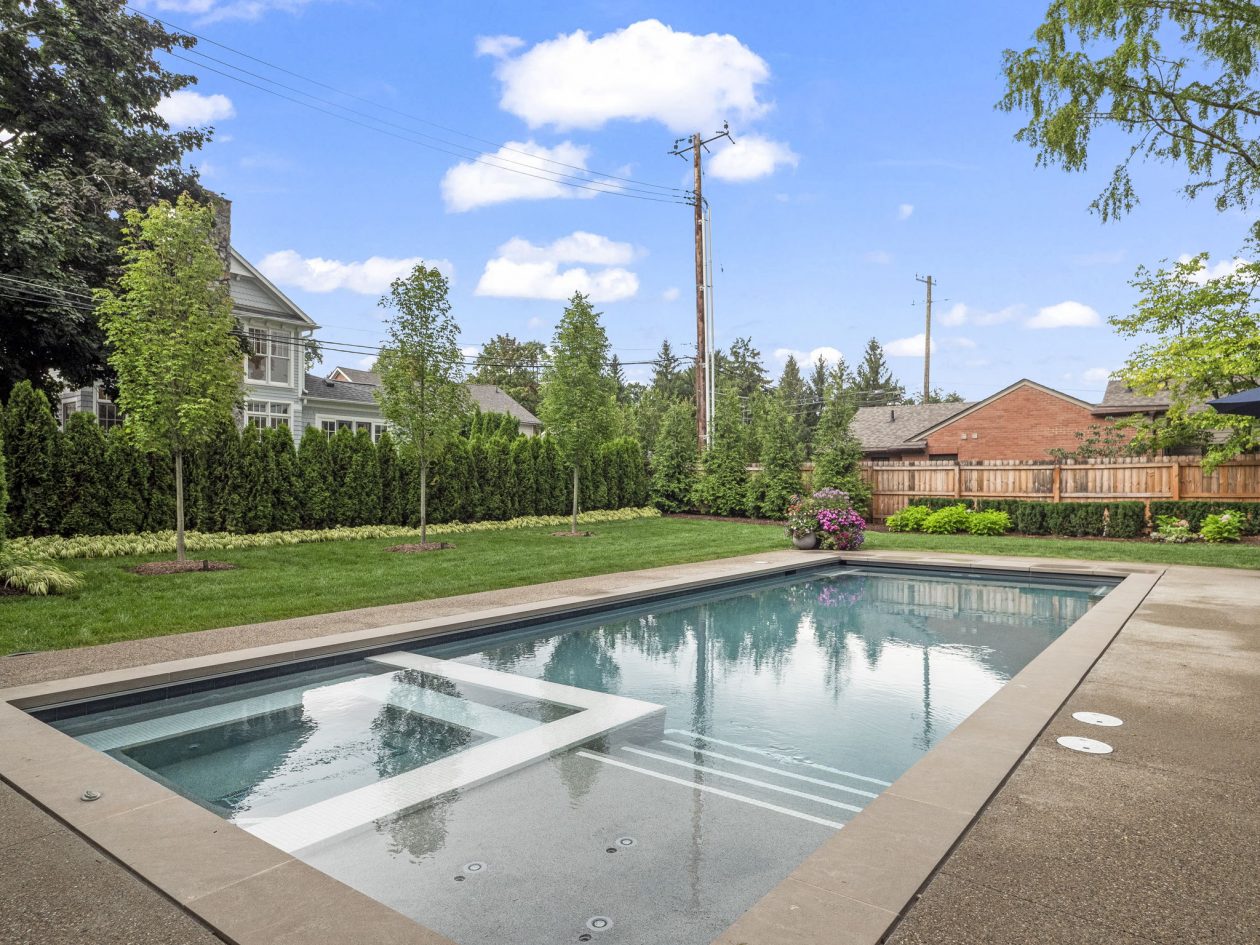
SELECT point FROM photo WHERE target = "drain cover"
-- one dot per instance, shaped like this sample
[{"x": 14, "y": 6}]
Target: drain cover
[
  {"x": 476, "y": 866},
  {"x": 1088, "y": 745},
  {"x": 626, "y": 841},
  {"x": 599, "y": 923},
  {"x": 1097, "y": 718}
]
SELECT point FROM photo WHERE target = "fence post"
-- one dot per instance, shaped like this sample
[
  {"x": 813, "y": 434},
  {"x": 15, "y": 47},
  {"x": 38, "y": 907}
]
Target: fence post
[
  {"x": 1057, "y": 479},
  {"x": 957, "y": 479},
  {"x": 1174, "y": 481}
]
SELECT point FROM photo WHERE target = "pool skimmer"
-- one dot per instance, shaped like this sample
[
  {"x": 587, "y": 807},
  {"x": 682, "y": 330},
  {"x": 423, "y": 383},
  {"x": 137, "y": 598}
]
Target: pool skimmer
[
  {"x": 599, "y": 923},
  {"x": 1097, "y": 718},
  {"x": 1089, "y": 746}
]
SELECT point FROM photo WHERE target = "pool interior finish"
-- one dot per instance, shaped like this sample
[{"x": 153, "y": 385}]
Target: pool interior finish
[{"x": 642, "y": 775}]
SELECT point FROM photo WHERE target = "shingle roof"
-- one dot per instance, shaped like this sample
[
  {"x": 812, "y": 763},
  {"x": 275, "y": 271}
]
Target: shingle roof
[
  {"x": 1120, "y": 398},
  {"x": 894, "y": 428},
  {"x": 488, "y": 397}
]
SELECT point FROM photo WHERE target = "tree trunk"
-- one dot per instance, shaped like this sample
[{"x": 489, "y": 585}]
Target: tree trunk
[
  {"x": 575, "y": 497},
  {"x": 179, "y": 505},
  {"x": 424, "y": 500}
]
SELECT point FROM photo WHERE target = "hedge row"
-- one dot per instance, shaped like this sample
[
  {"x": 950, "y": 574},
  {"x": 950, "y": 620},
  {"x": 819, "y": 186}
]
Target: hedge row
[
  {"x": 151, "y": 543},
  {"x": 1195, "y": 511},
  {"x": 87, "y": 482},
  {"x": 1121, "y": 519}
]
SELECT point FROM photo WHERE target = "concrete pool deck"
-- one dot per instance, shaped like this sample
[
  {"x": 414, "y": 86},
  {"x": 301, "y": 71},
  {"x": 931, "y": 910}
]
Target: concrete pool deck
[{"x": 1148, "y": 844}]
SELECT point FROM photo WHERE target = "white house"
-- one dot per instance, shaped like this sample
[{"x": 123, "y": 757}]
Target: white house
[{"x": 278, "y": 389}]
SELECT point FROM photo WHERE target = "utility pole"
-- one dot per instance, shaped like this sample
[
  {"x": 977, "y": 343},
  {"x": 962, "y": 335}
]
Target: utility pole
[
  {"x": 697, "y": 145},
  {"x": 927, "y": 340}
]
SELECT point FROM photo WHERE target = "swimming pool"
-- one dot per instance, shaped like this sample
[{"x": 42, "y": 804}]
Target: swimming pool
[{"x": 641, "y": 775}]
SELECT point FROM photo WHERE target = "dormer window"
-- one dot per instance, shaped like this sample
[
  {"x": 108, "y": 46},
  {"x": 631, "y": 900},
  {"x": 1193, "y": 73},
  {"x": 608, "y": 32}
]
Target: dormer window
[{"x": 271, "y": 357}]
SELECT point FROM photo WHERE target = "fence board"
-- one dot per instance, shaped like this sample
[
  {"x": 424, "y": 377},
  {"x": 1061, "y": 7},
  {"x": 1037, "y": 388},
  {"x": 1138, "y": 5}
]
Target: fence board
[{"x": 894, "y": 484}]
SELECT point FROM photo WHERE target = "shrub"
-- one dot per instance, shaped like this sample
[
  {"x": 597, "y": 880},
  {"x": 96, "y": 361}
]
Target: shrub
[
  {"x": 85, "y": 493},
  {"x": 909, "y": 519},
  {"x": 315, "y": 476},
  {"x": 37, "y": 575},
  {"x": 1227, "y": 526},
  {"x": 991, "y": 522},
  {"x": 771, "y": 490},
  {"x": 1172, "y": 530},
  {"x": 32, "y": 445},
  {"x": 674, "y": 460},
  {"x": 722, "y": 488},
  {"x": 1195, "y": 511},
  {"x": 1125, "y": 519},
  {"x": 947, "y": 521}
]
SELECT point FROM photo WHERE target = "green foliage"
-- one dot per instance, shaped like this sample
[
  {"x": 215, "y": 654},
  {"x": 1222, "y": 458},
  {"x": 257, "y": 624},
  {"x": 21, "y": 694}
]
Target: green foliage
[
  {"x": 946, "y": 521},
  {"x": 1171, "y": 530},
  {"x": 1078, "y": 519},
  {"x": 792, "y": 394},
  {"x": 4, "y": 486},
  {"x": 340, "y": 456},
  {"x": 1105, "y": 440},
  {"x": 154, "y": 543},
  {"x": 80, "y": 88},
  {"x": 514, "y": 366},
  {"x": 674, "y": 459},
  {"x": 873, "y": 381},
  {"x": 577, "y": 404},
  {"x": 251, "y": 485},
  {"x": 422, "y": 390},
  {"x": 159, "y": 491},
  {"x": 1224, "y": 526},
  {"x": 315, "y": 475},
  {"x": 668, "y": 381},
  {"x": 492, "y": 457},
  {"x": 722, "y": 488},
  {"x": 991, "y": 522},
  {"x": 35, "y": 575},
  {"x": 127, "y": 475},
  {"x": 1200, "y": 339},
  {"x": 524, "y": 480},
  {"x": 1176, "y": 78},
  {"x": 286, "y": 502},
  {"x": 391, "y": 481},
  {"x": 837, "y": 452},
  {"x": 362, "y": 490},
  {"x": 909, "y": 519},
  {"x": 770, "y": 492},
  {"x": 1196, "y": 511},
  {"x": 85, "y": 492},
  {"x": 32, "y": 445}
]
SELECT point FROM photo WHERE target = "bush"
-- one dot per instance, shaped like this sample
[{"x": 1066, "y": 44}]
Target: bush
[
  {"x": 32, "y": 445},
  {"x": 674, "y": 460},
  {"x": 947, "y": 521},
  {"x": 909, "y": 519},
  {"x": 1226, "y": 526},
  {"x": 991, "y": 522},
  {"x": 1195, "y": 511},
  {"x": 1172, "y": 530},
  {"x": 36, "y": 575}
]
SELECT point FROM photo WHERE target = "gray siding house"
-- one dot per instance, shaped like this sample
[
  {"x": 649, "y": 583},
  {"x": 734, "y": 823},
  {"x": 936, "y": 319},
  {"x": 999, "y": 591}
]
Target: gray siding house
[{"x": 278, "y": 389}]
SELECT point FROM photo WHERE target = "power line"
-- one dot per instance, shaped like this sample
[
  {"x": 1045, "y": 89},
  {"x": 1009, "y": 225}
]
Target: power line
[{"x": 388, "y": 108}]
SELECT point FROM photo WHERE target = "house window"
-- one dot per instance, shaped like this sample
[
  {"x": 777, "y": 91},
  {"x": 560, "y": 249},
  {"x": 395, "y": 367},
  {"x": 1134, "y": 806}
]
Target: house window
[
  {"x": 107, "y": 415},
  {"x": 263, "y": 414},
  {"x": 271, "y": 357},
  {"x": 330, "y": 427},
  {"x": 67, "y": 408}
]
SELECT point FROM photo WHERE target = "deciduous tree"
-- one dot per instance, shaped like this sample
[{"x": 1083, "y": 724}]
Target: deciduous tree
[{"x": 515, "y": 366}]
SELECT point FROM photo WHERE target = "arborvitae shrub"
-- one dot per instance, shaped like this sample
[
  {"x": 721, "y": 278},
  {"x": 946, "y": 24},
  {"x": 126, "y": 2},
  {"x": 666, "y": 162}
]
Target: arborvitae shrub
[
  {"x": 674, "y": 460},
  {"x": 341, "y": 455},
  {"x": 722, "y": 488},
  {"x": 1195, "y": 511},
  {"x": 315, "y": 478},
  {"x": 523, "y": 477},
  {"x": 391, "y": 482},
  {"x": 32, "y": 445},
  {"x": 159, "y": 512},
  {"x": 126, "y": 473},
  {"x": 772, "y": 489},
  {"x": 286, "y": 482},
  {"x": 4, "y": 485},
  {"x": 85, "y": 490},
  {"x": 363, "y": 484}
]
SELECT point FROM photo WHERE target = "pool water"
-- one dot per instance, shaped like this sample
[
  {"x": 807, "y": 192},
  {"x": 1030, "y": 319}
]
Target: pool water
[{"x": 643, "y": 775}]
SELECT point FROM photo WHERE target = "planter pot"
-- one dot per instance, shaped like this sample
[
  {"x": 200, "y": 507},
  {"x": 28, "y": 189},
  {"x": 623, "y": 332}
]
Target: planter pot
[{"x": 806, "y": 542}]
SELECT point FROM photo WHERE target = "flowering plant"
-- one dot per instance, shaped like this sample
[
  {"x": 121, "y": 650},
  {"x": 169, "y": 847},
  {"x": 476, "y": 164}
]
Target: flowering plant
[
  {"x": 1173, "y": 530},
  {"x": 830, "y": 515}
]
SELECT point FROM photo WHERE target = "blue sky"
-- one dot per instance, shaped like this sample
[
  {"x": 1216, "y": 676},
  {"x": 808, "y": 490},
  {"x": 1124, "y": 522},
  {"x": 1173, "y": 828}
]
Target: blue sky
[{"x": 867, "y": 151}]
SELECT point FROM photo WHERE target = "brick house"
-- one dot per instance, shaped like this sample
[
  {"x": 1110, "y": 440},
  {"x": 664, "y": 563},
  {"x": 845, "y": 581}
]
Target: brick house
[{"x": 1021, "y": 422}]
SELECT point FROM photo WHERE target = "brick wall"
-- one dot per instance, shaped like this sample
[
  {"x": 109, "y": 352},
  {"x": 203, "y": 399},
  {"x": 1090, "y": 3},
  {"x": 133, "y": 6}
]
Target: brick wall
[{"x": 1024, "y": 424}]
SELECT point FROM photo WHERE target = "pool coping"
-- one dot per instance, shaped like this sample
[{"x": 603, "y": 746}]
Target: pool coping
[{"x": 853, "y": 889}]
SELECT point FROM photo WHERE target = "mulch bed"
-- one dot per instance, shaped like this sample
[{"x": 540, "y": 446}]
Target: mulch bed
[
  {"x": 421, "y": 546},
  {"x": 572, "y": 534},
  {"x": 181, "y": 567},
  {"x": 6, "y": 591}
]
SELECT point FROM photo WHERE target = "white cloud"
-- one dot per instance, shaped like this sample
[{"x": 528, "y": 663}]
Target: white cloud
[
  {"x": 186, "y": 108},
  {"x": 750, "y": 157},
  {"x": 878, "y": 256},
  {"x": 1226, "y": 267},
  {"x": 498, "y": 178},
  {"x": 370, "y": 277},
  {"x": 537, "y": 321},
  {"x": 671, "y": 294},
  {"x": 211, "y": 11},
  {"x": 645, "y": 72},
  {"x": 911, "y": 347},
  {"x": 960, "y": 314},
  {"x": 498, "y": 46},
  {"x": 954, "y": 342},
  {"x": 470, "y": 351},
  {"x": 1097, "y": 375},
  {"x": 904, "y": 210},
  {"x": 806, "y": 358},
  {"x": 523, "y": 270},
  {"x": 368, "y": 363},
  {"x": 1065, "y": 315}
]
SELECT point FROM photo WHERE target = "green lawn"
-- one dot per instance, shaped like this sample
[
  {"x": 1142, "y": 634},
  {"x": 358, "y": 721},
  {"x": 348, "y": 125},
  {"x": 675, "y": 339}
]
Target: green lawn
[
  {"x": 1092, "y": 549},
  {"x": 295, "y": 580}
]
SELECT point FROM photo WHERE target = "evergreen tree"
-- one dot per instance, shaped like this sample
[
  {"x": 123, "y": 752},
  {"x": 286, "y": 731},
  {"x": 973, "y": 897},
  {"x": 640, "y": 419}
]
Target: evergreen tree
[
  {"x": 793, "y": 393},
  {"x": 576, "y": 405},
  {"x": 674, "y": 460},
  {"x": 723, "y": 486},
  {"x": 454, "y": 484},
  {"x": 645, "y": 417},
  {"x": 743, "y": 370},
  {"x": 771, "y": 490},
  {"x": 526, "y": 489},
  {"x": 837, "y": 452},
  {"x": 667, "y": 378},
  {"x": 618, "y": 378},
  {"x": 873, "y": 382},
  {"x": 86, "y": 491},
  {"x": 492, "y": 457},
  {"x": 549, "y": 477},
  {"x": 251, "y": 485},
  {"x": 391, "y": 482},
  {"x": 126, "y": 473},
  {"x": 363, "y": 483},
  {"x": 816, "y": 387},
  {"x": 286, "y": 500},
  {"x": 32, "y": 445},
  {"x": 610, "y": 462},
  {"x": 315, "y": 477},
  {"x": 340, "y": 457},
  {"x": 159, "y": 493},
  {"x": 4, "y": 486}
]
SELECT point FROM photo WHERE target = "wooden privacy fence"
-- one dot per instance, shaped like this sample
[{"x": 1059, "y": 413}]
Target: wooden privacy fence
[{"x": 896, "y": 484}]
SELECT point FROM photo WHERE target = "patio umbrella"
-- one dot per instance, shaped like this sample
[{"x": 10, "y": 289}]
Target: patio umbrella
[{"x": 1245, "y": 402}]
